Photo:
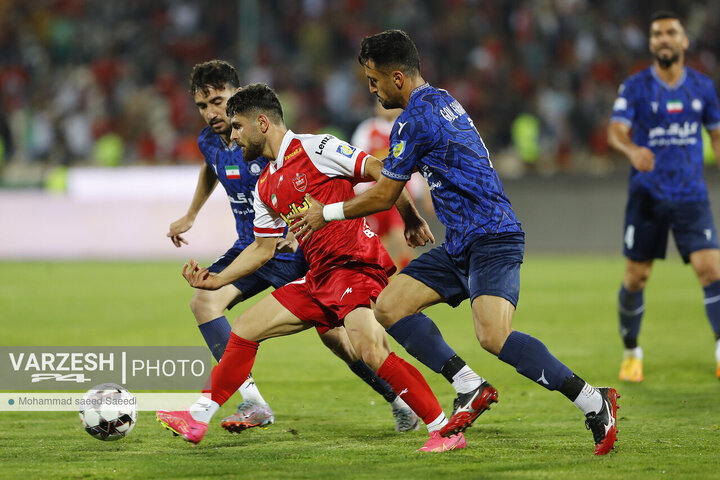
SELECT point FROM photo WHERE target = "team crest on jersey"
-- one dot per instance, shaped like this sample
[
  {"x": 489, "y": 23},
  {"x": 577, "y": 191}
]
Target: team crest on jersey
[
  {"x": 398, "y": 148},
  {"x": 696, "y": 105},
  {"x": 346, "y": 150},
  {"x": 255, "y": 168},
  {"x": 300, "y": 182}
]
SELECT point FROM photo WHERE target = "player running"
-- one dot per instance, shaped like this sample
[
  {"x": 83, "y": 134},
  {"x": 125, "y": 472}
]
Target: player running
[
  {"x": 348, "y": 266},
  {"x": 657, "y": 124},
  {"x": 211, "y": 85},
  {"x": 484, "y": 241}
]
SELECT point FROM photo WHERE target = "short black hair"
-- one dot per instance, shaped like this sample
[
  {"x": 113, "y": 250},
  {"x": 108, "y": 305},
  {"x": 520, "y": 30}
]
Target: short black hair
[
  {"x": 391, "y": 48},
  {"x": 215, "y": 73},
  {"x": 662, "y": 15},
  {"x": 256, "y": 97}
]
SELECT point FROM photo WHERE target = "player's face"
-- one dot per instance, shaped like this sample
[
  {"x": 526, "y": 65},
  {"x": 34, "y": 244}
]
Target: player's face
[
  {"x": 667, "y": 41},
  {"x": 212, "y": 108},
  {"x": 382, "y": 86},
  {"x": 246, "y": 133}
]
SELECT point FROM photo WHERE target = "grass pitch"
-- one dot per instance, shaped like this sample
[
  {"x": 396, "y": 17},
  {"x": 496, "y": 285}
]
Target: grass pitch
[{"x": 331, "y": 425}]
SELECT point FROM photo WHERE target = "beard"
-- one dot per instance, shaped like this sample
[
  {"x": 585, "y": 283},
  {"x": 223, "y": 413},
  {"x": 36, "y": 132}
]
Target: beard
[
  {"x": 667, "y": 61},
  {"x": 252, "y": 151},
  {"x": 388, "y": 104}
]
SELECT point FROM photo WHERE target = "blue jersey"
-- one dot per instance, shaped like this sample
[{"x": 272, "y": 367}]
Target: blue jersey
[
  {"x": 668, "y": 120},
  {"x": 238, "y": 178},
  {"x": 435, "y": 136}
]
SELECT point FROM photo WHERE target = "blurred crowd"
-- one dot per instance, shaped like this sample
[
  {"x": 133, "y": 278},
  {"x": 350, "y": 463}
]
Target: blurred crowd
[{"x": 85, "y": 82}]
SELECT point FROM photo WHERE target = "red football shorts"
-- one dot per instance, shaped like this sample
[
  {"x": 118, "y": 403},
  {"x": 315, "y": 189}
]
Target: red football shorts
[{"x": 326, "y": 299}]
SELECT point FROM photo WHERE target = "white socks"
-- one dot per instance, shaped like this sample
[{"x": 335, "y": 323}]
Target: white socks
[
  {"x": 465, "y": 381},
  {"x": 438, "y": 423},
  {"x": 250, "y": 392},
  {"x": 633, "y": 352},
  {"x": 717, "y": 351},
  {"x": 589, "y": 400},
  {"x": 203, "y": 409}
]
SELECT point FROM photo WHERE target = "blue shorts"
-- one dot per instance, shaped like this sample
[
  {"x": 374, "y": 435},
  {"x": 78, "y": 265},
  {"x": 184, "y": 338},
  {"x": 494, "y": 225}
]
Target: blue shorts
[
  {"x": 275, "y": 273},
  {"x": 647, "y": 222},
  {"x": 489, "y": 265}
]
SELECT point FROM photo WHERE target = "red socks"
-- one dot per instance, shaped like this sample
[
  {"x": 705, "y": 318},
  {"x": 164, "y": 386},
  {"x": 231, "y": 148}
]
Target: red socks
[
  {"x": 233, "y": 369},
  {"x": 410, "y": 385}
]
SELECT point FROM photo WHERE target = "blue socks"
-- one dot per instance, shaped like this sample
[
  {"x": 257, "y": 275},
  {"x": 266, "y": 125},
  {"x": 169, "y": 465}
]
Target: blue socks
[
  {"x": 712, "y": 306},
  {"x": 631, "y": 308},
  {"x": 531, "y": 358},
  {"x": 216, "y": 334},
  {"x": 361, "y": 369},
  {"x": 422, "y": 339}
]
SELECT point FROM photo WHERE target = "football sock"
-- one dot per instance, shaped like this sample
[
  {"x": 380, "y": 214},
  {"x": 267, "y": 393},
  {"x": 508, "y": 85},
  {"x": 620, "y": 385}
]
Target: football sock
[
  {"x": 633, "y": 352},
  {"x": 361, "y": 369},
  {"x": 630, "y": 308},
  {"x": 409, "y": 384},
  {"x": 250, "y": 392},
  {"x": 531, "y": 358},
  {"x": 233, "y": 370},
  {"x": 712, "y": 306},
  {"x": 438, "y": 423},
  {"x": 421, "y": 338},
  {"x": 465, "y": 381},
  {"x": 203, "y": 409},
  {"x": 216, "y": 334},
  {"x": 717, "y": 351},
  {"x": 589, "y": 399}
]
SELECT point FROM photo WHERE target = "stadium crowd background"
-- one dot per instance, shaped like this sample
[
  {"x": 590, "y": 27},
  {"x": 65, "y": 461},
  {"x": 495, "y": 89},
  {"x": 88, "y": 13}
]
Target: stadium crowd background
[{"x": 95, "y": 82}]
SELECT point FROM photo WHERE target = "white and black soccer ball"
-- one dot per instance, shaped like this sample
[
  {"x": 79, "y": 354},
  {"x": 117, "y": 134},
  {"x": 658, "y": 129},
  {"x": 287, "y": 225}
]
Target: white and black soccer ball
[{"x": 108, "y": 411}]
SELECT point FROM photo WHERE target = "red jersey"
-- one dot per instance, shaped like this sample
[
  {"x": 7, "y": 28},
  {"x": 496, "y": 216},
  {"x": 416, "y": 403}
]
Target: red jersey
[{"x": 324, "y": 167}]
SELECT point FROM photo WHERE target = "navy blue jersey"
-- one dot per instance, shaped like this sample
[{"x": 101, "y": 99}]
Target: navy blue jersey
[
  {"x": 435, "y": 136},
  {"x": 668, "y": 120},
  {"x": 238, "y": 178}
]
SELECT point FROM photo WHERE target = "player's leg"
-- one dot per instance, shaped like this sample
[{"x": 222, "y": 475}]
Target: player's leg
[
  {"x": 370, "y": 341},
  {"x": 337, "y": 341},
  {"x": 266, "y": 319},
  {"x": 427, "y": 280},
  {"x": 631, "y": 307},
  {"x": 492, "y": 316},
  {"x": 706, "y": 264}
]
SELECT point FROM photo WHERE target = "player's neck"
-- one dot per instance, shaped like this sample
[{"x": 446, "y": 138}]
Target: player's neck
[
  {"x": 274, "y": 141},
  {"x": 410, "y": 86},
  {"x": 670, "y": 75}
]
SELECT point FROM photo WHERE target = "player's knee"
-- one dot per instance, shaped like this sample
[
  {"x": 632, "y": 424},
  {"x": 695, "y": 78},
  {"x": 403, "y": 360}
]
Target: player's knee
[
  {"x": 388, "y": 309},
  {"x": 491, "y": 339},
  {"x": 203, "y": 309},
  {"x": 708, "y": 274}
]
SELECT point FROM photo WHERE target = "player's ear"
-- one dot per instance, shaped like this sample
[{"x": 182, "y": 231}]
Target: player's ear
[
  {"x": 398, "y": 79},
  {"x": 263, "y": 123}
]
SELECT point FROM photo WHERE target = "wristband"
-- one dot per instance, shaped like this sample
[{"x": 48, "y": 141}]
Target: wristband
[{"x": 333, "y": 211}]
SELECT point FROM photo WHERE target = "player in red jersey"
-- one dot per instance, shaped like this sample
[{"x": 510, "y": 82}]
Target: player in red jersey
[{"x": 349, "y": 267}]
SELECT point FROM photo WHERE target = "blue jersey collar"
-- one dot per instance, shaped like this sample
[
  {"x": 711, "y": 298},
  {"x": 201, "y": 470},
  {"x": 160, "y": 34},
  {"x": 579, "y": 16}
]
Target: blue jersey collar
[
  {"x": 664, "y": 83},
  {"x": 419, "y": 89}
]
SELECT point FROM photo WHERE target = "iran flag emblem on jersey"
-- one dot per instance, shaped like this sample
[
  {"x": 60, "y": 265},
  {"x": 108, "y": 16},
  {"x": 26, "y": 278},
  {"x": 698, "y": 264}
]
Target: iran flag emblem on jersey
[
  {"x": 232, "y": 171},
  {"x": 674, "y": 106}
]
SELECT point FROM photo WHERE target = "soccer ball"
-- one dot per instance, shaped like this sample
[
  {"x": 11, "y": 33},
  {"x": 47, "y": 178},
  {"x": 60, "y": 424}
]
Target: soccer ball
[{"x": 108, "y": 411}]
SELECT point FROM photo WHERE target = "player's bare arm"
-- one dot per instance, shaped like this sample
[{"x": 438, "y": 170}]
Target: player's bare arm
[
  {"x": 205, "y": 186},
  {"x": 642, "y": 158},
  {"x": 250, "y": 260}
]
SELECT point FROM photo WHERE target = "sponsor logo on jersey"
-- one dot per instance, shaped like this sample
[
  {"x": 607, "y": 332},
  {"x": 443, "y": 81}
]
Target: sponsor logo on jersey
[
  {"x": 293, "y": 154},
  {"x": 620, "y": 104},
  {"x": 300, "y": 182},
  {"x": 255, "y": 168},
  {"x": 674, "y": 134},
  {"x": 674, "y": 106},
  {"x": 654, "y": 106},
  {"x": 232, "y": 171},
  {"x": 346, "y": 150},
  {"x": 264, "y": 177},
  {"x": 323, "y": 142},
  {"x": 295, "y": 209},
  {"x": 398, "y": 149}
]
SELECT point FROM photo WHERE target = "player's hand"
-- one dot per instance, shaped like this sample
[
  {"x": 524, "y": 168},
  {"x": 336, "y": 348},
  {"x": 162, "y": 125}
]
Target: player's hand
[
  {"x": 417, "y": 233},
  {"x": 287, "y": 245},
  {"x": 643, "y": 159},
  {"x": 304, "y": 223},
  {"x": 200, "y": 277},
  {"x": 176, "y": 228}
]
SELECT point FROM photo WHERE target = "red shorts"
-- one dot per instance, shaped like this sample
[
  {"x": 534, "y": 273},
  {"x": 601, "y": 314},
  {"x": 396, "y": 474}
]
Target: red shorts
[
  {"x": 382, "y": 222},
  {"x": 325, "y": 300}
]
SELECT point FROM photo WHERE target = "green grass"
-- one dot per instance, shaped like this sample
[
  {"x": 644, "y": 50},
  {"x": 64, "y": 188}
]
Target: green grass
[{"x": 331, "y": 425}]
